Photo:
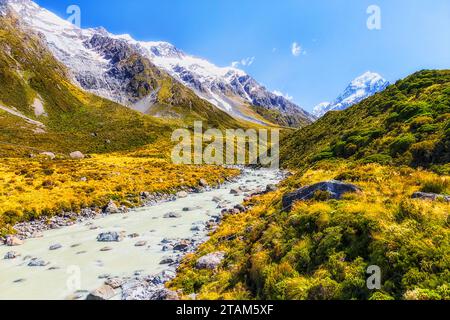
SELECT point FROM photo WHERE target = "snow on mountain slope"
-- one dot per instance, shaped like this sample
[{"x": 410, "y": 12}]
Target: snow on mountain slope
[
  {"x": 84, "y": 52},
  {"x": 359, "y": 89}
]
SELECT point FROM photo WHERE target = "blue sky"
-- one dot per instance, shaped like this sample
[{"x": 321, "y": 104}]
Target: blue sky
[{"x": 334, "y": 43}]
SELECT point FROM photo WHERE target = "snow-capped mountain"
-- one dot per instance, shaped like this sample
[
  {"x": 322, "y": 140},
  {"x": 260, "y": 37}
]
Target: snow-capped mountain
[
  {"x": 359, "y": 89},
  {"x": 96, "y": 58}
]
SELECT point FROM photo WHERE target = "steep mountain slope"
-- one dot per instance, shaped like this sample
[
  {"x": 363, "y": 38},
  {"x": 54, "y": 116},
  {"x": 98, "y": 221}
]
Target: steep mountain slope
[
  {"x": 136, "y": 73},
  {"x": 114, "y": 69},
  {"x": 228, "y": 88},
  {"x": 359, "y": 89},
  {"x": 408, "y": 123},
  {"x": 41, "y": 110}
]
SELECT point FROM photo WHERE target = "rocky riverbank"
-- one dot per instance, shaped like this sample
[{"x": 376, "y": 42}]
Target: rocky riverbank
[{"x": 117, "y": 249}]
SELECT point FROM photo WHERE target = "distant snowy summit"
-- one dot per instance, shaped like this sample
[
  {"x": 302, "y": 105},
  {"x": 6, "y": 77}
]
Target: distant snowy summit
[
  {"x": 95, "y": 58},
  {"x": 359, "y": 89}
]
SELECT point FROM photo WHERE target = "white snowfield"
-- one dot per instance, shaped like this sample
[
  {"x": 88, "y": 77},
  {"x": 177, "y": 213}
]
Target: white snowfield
[{"x": 359, "y": 89}]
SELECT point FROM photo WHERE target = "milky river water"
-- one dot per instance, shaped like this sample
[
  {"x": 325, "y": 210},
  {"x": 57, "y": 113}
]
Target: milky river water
[{"x": 80, "y": 265}]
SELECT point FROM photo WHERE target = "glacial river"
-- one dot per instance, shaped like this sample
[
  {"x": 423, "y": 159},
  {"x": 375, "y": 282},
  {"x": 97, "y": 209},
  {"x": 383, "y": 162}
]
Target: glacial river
[{"x": 81, "y": 266}]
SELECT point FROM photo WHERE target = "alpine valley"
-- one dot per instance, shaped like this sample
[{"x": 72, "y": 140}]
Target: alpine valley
[{"x": 93, "y": 207}]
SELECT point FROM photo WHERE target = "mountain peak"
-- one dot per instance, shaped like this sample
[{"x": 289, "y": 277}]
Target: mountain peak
[{"x": 362, "y": 87}]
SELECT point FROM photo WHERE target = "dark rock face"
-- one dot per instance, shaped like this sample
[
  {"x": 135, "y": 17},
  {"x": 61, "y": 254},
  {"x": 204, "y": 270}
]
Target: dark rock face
[
  {"x": 430, "y": 196},
  {"x": 335, "y": 190}
]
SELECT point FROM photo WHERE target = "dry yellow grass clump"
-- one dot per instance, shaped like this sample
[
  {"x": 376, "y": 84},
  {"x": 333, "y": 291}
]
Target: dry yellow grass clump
[
  {"x": 30, "y": 188},
  {"x": 321, "y": 249}
]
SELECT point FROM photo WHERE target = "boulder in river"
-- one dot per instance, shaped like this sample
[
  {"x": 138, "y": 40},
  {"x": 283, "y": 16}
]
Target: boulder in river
[
  {"x": 182, "y": 194},
  {"x": 210, "y": 261},
  {"x": 105, "y": 292},
  {"x": 109, "y": 237},
  {"x": 141, "y": 243},
  {"x": 334, "y": 189},
  {"x": 55, "y": 247},
  {"x": 172, "y": 215},
  {"x": 11, "y": 255},
  {"x": 13, "y": 241},
  {"x": 37, "y": 263},
  {"x": 430, "y": 196}
]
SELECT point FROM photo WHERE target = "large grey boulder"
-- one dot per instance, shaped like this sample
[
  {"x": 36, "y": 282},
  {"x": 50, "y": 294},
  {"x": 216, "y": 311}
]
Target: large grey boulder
[
  {"x": 430, "y": 196},
  {"x": 335, "y": 190},
  {"x": 210, "y": 261}
]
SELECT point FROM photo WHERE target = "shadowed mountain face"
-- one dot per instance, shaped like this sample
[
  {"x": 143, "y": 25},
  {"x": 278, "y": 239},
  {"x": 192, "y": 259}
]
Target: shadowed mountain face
[{"x": 154, "y": 77}]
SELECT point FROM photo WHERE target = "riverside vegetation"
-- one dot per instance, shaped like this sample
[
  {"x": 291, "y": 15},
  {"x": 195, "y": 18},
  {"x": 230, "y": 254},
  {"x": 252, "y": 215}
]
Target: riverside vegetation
[{"x": 388, "y": 145}]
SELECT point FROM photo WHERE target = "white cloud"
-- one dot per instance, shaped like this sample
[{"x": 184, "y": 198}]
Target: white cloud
[
  {"x": 296, "y": 49},
  {"x": 246, "y": 62},
  {"x": 285, "y": 95}
]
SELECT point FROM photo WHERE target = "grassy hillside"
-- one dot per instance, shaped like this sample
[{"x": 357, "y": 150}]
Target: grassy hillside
[
  {"x": 73, "y": 119},
  {"x": 321, "y": 250},
  {"x": 408, "y": 123},
  {"x": 323, "y": 247}
]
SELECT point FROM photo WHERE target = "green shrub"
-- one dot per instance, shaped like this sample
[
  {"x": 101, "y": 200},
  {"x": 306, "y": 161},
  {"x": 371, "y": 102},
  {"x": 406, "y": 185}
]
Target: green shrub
[{"x": 402, "y": 144}]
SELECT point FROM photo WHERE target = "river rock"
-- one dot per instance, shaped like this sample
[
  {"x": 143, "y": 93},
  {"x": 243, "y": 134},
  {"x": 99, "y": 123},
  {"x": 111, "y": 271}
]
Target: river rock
[
  {"x": 37, "y": 263},
  {"x": 430, "y": 196},
  {"x": 336, "y": 190},
  {"x": 172, "y": 215},
  {"x": 105, "y": 292},
  {"x": 271, "y": 188},
  {"x": 106, "y": 249},
  {"x": 141, "y": 243},
  {"x": 210, "y": 261},
  {"x": 164, "y": 294},
  {"x": 13, "y": 241},
  {"x": 182, "y": 194},
  {"x": 114, "y": 283},
  {"x": 235, "y": 191},
  {"x": 11, "y": 255},
  {"x": 203, "y": 183},
  {"x": 76, "y": 155},
  {"x": 167, "y": 260},
  {"x": 240, "y": 207},
  {"x": 111, "y": 208},
  {"x": 55, "y": 247},
  {"x": 109, "y": 237},
  {"x": 183, "y": 245}
]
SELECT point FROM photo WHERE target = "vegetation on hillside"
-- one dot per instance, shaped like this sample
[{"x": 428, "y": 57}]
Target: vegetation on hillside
[
  {"x": 322, "y": 249},
  {"x": 408, "y": 123}
]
